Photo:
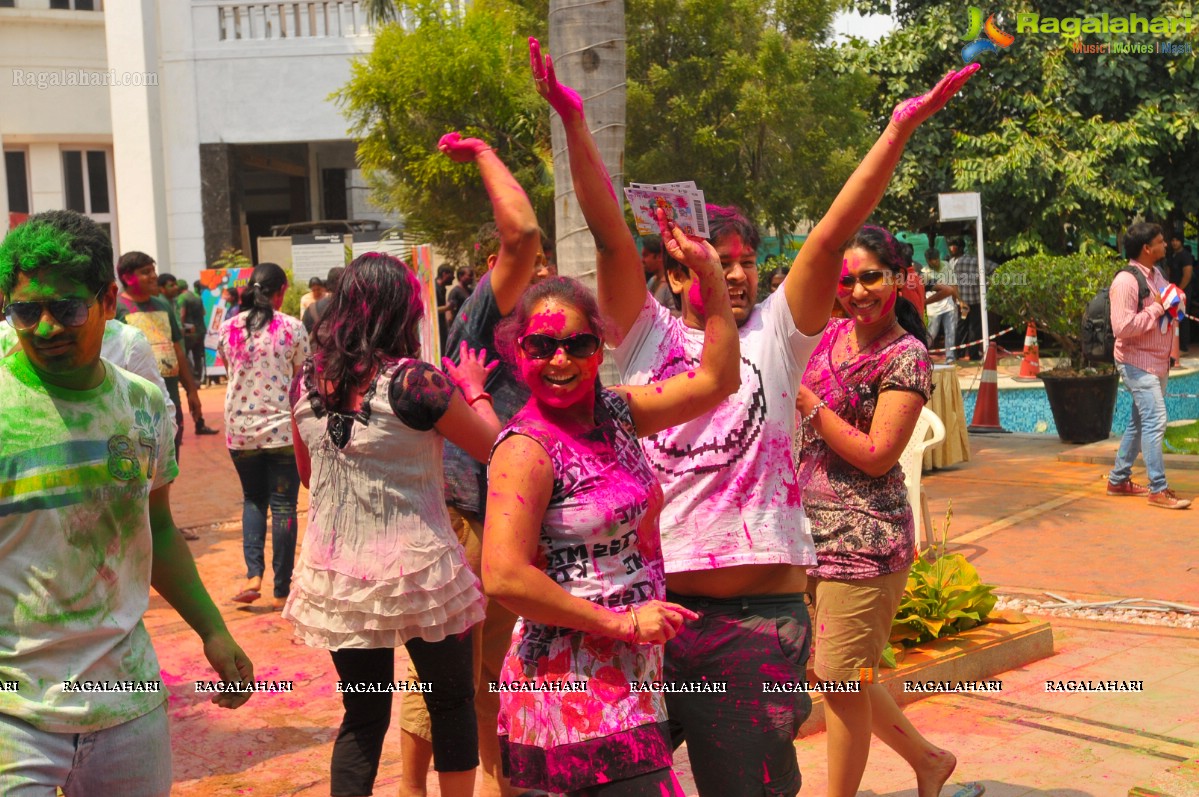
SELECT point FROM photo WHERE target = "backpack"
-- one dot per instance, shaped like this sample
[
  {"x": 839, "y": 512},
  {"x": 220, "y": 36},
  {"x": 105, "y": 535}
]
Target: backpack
[{"x": 1098, "y": 339}]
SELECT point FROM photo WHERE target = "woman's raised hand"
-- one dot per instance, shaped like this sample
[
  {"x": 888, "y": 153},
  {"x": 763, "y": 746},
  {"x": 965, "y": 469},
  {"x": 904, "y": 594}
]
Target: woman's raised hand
[
  {"x": 911, "y": 112},
  {"x": 658, "y": 622},
  {"x": 470, "y": 374},
  {"x": 459, "y": 149},
  {"x": 563, "y": 99},
  {"x": 695, "y": 253}
]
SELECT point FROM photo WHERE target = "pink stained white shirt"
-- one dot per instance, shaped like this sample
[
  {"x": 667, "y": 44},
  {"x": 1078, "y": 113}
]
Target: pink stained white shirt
[
  {"x": 261, "y": 366},
  {"x": 1140, "y": 342},
  {"x": 729, "y": 480}
]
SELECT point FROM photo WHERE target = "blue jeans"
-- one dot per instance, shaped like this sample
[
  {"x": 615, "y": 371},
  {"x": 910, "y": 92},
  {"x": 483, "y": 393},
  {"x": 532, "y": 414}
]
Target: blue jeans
[
  {"x": 133, "y": 759},
  {"x": 950, "y": 322},
  {"x": 269, "y": 477},
  {"x": 1146, "y": 429}
]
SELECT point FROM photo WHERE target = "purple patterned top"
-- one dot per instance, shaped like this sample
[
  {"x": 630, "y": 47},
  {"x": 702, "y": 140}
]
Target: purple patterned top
[{"x": 862, "y": 525}]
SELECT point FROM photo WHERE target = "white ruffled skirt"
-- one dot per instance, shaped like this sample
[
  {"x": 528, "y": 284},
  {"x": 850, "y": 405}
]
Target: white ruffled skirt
[{"x": 339, "y": 601}]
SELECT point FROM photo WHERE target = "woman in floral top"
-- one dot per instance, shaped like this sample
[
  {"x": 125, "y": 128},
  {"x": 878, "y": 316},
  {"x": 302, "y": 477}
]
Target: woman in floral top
[
  {"x": 861, "y": 396},
  {"x": 263, "y": 349},
  {"x": 571, "y": 542}
]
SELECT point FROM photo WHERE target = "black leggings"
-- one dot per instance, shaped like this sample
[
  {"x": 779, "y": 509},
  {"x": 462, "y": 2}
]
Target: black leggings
[{"x": 450, "y": 699}]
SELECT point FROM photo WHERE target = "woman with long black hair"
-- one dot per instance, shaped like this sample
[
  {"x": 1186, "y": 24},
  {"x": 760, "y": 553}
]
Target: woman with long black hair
[
  {"x": 861, "y": 396},
  {"x": 381, "y": 566},
  {"x": 263, "y": 349}
]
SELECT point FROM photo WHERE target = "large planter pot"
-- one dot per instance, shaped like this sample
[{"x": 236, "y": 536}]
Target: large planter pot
[{"x": 1082, "y": 406}]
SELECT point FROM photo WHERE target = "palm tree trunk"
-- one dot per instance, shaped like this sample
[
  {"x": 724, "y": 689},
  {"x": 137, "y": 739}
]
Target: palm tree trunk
[{"x": 587, "y": 41}]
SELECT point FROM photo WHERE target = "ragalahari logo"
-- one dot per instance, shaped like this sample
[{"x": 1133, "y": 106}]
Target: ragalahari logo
[{"x": 983, "y": 37}]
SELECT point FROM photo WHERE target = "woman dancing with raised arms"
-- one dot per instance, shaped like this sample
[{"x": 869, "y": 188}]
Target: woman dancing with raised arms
[
  {"x": 734, "y": 535},
  {"x": 861, "y": 397},
  {"x": 571, "y": 540}
]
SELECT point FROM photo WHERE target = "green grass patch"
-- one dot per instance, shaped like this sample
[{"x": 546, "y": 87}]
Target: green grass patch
[{"x": 1183, "y": 438}]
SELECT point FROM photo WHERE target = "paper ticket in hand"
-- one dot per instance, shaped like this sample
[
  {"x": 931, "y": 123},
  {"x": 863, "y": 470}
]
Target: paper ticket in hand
[{"x": 683, "y": 203}]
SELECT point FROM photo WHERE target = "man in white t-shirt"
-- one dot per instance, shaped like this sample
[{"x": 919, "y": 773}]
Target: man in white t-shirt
[
  {"x": 734, "y": 537},
  {"x": 941, "y": 302},
  {"x": 87, "y": 455}
]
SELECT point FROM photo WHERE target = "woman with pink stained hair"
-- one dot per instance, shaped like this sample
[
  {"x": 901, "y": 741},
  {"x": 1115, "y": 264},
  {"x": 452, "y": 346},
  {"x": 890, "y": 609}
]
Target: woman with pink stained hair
[{"x": 571, "y": 542}]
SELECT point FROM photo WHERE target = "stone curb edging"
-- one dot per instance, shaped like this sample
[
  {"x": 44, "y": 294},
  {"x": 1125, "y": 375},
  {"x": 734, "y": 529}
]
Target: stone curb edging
[
  {"x": 1104, "y": 453},
  {"x": 1180, "y": 780},
  {"x": 973, "y": 655}
]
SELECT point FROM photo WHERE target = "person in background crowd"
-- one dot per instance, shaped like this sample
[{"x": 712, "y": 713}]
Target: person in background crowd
[
  {"x": 140, "y": 305},
  {"x": 86, "y": 539},
  {"x": 316, "y": 292},
  {"x": 317, "y": 309},
  {"x": 1143, "y": 359},
  {"x": 912, "y": 288},
  {"x": 655, "y": 271},
  {"x": 965, "y": 269},
  {"x": 191, "y": 316},
  {"x": 1181, "y": 267},
  {"x": 941, "y": 303},
  {"x": 466, "y": 283},
  {"x": 778, "y": 276},
  {"x": 169, "y": 290},
  {"x": 263, "y": 350},
  {"x": 445, "y": 276}
]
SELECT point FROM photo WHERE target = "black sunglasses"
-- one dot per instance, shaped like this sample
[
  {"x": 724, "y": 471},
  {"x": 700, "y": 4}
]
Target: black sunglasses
[
  {"x": 543, "y": 347},
  {"x": 869, "y": 279},
  {"x": 68, "y": 312}
]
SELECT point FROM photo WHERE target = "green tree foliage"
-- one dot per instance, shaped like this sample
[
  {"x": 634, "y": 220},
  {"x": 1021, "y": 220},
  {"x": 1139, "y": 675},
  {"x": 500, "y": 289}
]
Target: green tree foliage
[
  {"x": 1054, "y": 292},
  {"x": 745, "y": 98},
  {"x": 436, "y": 70},
  {"x": 1066, "y": 148}
]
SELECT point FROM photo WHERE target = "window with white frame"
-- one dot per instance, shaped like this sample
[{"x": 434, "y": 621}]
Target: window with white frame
[
  {"x": 87, "y": 184},
  {"x": 75, "y": 5}
]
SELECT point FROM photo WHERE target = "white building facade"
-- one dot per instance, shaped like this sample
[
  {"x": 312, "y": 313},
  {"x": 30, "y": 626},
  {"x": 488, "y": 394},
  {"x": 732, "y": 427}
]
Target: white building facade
[{"x": 184, "y": 127}]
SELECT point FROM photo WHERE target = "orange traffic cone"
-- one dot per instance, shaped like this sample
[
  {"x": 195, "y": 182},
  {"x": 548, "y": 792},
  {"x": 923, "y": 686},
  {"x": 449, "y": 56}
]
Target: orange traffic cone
[
  {"x": 1030, "y": 366},
  {"x": 986, "y": 405}
]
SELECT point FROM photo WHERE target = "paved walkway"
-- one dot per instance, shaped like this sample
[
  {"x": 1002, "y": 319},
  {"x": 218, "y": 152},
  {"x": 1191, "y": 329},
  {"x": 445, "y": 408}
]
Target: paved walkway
[{"x": 1028, "y": 521}]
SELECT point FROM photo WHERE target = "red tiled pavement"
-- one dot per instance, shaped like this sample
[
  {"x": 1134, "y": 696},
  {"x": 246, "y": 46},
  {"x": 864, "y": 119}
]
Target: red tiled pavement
[{"x": 1064, "y": 535}]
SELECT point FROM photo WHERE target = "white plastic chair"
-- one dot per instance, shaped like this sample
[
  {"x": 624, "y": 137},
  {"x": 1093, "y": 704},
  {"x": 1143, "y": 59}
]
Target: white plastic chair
[{"x": 928, "y": 432}]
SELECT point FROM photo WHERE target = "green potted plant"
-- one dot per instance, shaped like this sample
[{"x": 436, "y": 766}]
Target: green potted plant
[{"x": 1053, "y": 291}]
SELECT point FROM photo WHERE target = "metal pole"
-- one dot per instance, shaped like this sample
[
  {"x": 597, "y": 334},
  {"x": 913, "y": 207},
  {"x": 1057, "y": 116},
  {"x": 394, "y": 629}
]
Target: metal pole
[{"x": 982, "y": 281}]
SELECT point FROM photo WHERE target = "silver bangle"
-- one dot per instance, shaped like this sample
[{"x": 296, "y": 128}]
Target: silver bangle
[{"x": 808, "y": 418}]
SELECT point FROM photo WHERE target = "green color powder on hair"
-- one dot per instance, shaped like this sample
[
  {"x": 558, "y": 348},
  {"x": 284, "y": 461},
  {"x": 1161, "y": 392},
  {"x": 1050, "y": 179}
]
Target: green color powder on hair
[{"x": 35, "y": 245}]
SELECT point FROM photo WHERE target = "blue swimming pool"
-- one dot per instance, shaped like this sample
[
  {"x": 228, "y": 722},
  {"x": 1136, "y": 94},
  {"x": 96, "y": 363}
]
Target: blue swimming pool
[{"x": 1027, "y": 409}]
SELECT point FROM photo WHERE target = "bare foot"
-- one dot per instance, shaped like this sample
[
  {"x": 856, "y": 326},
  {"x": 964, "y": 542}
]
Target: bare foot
[{"x": 931, "y": 776}]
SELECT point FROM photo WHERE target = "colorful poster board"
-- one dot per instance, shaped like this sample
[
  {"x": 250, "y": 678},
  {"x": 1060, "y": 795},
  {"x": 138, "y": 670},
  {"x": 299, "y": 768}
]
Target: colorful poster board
[
  {"x": 430, "y": 340},
  {"x": 213, "y": 283}
]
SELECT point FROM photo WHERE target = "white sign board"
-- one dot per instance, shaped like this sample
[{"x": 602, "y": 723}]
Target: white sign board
[
  {"x": 314, "y": 255},
  {"x": 380, "y": 241},
  {"x": 959, "y": 207}
]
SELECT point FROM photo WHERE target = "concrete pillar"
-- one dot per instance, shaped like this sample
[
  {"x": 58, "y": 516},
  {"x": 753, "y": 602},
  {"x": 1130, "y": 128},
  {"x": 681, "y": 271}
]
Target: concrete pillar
[
  {"x": 3, "y": 191},
  {"x": 131, "y": 35},
  {"x": 178, "y": 29}
]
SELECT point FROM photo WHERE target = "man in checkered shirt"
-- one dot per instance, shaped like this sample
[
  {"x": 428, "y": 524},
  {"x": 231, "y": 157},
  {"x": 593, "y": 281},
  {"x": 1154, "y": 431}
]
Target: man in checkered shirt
[{"x": 965, "y": 268}]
